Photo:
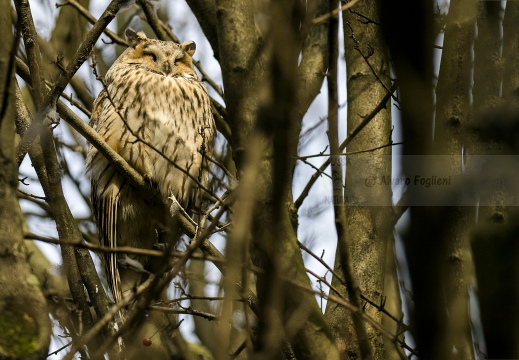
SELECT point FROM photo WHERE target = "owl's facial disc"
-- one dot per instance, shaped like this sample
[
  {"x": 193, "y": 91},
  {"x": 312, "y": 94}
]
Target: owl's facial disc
[{"x": 163, "y": 61}]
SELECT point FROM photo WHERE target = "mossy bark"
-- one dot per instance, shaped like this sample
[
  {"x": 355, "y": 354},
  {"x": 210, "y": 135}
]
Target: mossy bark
[{"x": 24, "y": 322}]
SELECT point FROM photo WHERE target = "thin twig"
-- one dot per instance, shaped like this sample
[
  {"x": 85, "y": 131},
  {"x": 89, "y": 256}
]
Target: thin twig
[
  {"x": 75, "y": 103},
  {"x": 371, "y": 51},
  {"x": 325, "y": 17},
  {"x": 58, "y": 350},
  {"x": 119, "y": 249},
  {"x": 185, "y": 311},
  {"x": 192, "y": 297},
  {"x": 318, "y": 170},
  {"x": 349, "y": 153},
  {"x": 32, "y": 196}
]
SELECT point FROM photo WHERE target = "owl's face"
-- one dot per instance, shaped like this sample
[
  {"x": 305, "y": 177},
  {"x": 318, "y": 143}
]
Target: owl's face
[{"x": 162, "y": 57}]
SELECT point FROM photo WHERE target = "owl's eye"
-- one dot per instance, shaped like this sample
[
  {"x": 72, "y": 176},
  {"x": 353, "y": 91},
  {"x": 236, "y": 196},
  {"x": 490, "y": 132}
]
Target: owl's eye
[
  {"x": 180, "y": 59},
  {"x": 153, "y": 56}
]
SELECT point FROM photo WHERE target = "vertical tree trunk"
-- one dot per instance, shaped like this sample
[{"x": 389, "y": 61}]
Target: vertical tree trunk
[
  {"x": 393, "y": 303},
  {"x": 494, "y": 241},
  {"x": 24, "y": 322},
  {"x": 413, "y": 67},
  {"x": 487, "y": 59},
  {"x": 367, "y": 222},
  {"x": 452, "y": 112}
]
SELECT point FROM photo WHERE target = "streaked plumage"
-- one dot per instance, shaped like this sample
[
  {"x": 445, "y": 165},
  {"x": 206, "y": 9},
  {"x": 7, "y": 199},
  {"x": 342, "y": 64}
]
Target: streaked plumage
[{"x": 155, "y": 112}]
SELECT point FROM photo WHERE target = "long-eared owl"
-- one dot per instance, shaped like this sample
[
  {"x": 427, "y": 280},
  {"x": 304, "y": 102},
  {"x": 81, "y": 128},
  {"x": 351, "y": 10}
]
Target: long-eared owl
[{"x": 156, "y": 113}]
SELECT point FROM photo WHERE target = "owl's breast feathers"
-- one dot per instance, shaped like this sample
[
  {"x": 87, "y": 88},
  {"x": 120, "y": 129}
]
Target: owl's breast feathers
[{"x": 164, "y": 123}]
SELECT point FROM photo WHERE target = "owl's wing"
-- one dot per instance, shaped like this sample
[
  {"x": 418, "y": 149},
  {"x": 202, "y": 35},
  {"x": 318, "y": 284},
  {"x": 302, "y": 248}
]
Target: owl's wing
[
  {"x": 105, "y": 195},
  {"x": 107, "y": 211}
]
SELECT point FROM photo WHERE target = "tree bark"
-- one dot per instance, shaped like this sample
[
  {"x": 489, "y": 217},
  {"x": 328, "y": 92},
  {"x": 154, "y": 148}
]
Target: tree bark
[
  {"x": 24, "y": 322},
  {"x": 367, "y": 222},
  {"x": 452, "y": 116},
  {"x": 495, "y": 238},
  {"x": 413, "y": 67}
]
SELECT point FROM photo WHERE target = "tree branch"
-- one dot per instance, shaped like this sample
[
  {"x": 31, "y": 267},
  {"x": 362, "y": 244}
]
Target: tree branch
[{"x": 343, "y": 243}]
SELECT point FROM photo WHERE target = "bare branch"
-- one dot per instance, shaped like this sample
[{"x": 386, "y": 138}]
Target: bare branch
[
  {"x": 121, "y": 249},
  {"x": 349, "y": 153},
  {"x": 185, "y": 311},
  {"x": 335, "y": 12}
]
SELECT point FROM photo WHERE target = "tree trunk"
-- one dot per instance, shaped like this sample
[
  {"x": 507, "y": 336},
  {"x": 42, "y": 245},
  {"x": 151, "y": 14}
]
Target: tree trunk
[
  {"x": 368, "y": 210},
  {"x": 24, "y": 322},
  {"x": 413, "y": 67},
  {"x": 452, "y": 113},
  {"x": 494, "y": 241}
]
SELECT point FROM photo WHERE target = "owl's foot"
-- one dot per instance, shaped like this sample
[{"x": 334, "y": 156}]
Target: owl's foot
[
  {"x": 148, "y": 177},
  {"x": 177, "y": 210},
  {"x": 160, "y": 246},
  {"x": 153, "y": 185}
]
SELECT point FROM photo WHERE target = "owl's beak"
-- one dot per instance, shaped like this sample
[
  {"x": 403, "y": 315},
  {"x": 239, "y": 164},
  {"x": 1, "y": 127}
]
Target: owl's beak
[{"x": 167, "y": 67}]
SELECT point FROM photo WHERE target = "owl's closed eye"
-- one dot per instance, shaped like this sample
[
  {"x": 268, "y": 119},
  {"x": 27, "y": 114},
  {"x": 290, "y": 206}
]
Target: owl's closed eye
[{"x": 162, "y": 57}]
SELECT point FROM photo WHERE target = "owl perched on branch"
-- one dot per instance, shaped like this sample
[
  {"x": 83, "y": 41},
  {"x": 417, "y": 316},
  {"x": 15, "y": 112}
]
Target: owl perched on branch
[{"x": 156, "y": 113}]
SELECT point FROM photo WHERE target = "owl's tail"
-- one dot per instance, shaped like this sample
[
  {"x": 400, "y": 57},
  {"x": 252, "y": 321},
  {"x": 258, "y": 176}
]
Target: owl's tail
[{"x": 109, "y": 206}]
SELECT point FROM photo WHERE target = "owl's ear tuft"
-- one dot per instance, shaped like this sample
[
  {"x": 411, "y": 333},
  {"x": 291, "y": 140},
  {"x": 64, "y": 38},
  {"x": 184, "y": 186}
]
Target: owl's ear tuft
[
  {"x": 189, "y": 47},
  {"x": 134, "y": 38}
]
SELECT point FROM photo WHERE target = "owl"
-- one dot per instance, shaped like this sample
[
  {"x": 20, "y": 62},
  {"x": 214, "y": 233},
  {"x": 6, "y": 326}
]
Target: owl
[{"x": 156, "y": 114}]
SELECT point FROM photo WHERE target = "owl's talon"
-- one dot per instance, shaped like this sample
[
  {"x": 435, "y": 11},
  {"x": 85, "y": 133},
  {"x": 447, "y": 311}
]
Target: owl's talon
[
  {"x": 159, "y": 246},
  {"x": 148, "y": 177},
  {"x": 177, "y": 209}
]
